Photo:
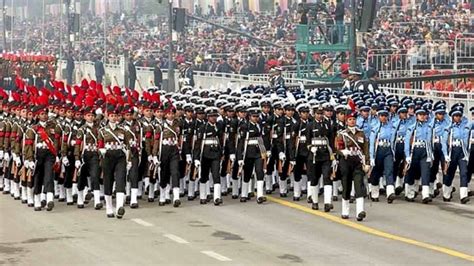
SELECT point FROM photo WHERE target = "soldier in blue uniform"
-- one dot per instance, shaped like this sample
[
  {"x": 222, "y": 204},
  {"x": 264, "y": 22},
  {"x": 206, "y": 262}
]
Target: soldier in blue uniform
[
  {"x": 456, "y": 154},
  {"x": 418, "y": 156},
  {"x": 364, "y": 119},
  {"x": 470, "y": 165},
  {"x": 399, "y": 129},
  {"x": 381, "y": 156},
  {"x": 439, "y": 124}
]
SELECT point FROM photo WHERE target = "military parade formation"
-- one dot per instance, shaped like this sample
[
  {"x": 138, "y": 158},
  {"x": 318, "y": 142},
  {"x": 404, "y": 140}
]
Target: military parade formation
[{"x": 86, "y": 145}]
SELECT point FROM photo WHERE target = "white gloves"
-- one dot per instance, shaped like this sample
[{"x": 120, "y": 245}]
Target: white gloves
[
  {"x": 241, "y": 162},
  {"x": 447, "y": 160},
  {"x": 372, "y": 162},
  {"x": 345, "y": 152},
  {"x": 269, "y": 153},
  {"x": 98, "y": 111},
  {"x": 65, "y": 161},
  {"x": 57, "y": 159},
  {"x": 1, "y": 155},
  {"x": 18, "y": 161},
  {"x": 155, "y": 160},
  {"x": 282, "y": 156},
  {"x": 129, "y": 166},
  {"x": 77, "y": 164},
  {"x": 314, "y": 150},
  {"x": 150, "y": 158},
  {"x": 293, "y": 163},
  {"x": 408, "y": 160},
  {"x": 189, "y": 159},
  {"x": 232, "y": 157},
  {"x": 197, "y": 163},
  {"x": 14, "y": 157},
  {"x": 102, "y": 152},
  {"x": 7, "y": 157},
  {"x": 334, "y": 163},
  {"x": 31, "y": 165}
]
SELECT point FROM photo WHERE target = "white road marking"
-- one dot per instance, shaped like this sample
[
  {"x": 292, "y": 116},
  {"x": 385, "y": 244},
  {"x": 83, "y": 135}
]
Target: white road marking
[
  {"x": 176, "y": 239},
  {"x": 141, "y": 222},
  {"x": 215, "y": 255}
]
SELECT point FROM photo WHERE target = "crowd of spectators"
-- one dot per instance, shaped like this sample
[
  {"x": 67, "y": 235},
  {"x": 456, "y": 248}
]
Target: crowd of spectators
[{"x": 401, "y": 36}]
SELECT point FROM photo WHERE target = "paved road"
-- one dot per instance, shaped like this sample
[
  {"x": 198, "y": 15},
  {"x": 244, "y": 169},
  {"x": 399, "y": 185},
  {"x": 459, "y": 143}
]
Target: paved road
[{"x": 276, "y": 233}]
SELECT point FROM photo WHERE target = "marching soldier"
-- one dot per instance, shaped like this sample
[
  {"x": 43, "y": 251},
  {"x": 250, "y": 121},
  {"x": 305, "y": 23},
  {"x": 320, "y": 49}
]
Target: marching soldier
[
  {"x": 456, "y": 154},
  {"x": 113, "y": 143},
  {"x": 418, "y": 155},
  {"x": 251, "y": 155},
  {"x": 188, "y": 138},
  {"x": 166, "y": 155},
  {"x": 338, "y": 125},
  {"x": 439, "y": 124},
  {"x": 352, "y": 147},
  {"x": 285, "y": 142},
  {"x": 148, "y": 130},
  {"x": 133, "y": 127},
  {"x": 399, "y": 129},
  {"x": 237, "y": 124},
  {"x": 320, "y": 159},
  {"x": 381, "y": 156},
  {"x": 207, "y": 154},
  {"x": 86, "y": 155},
  {"x": 41, "y": 154},
  {"x": 301, "y": 149},
  {"x": 272, "y": 124}
]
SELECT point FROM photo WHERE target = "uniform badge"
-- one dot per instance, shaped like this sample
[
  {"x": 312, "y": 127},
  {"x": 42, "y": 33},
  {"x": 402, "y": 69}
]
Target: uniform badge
[
  {"x": 121, "y": 136},
  {"x": 360, "y": 139}
]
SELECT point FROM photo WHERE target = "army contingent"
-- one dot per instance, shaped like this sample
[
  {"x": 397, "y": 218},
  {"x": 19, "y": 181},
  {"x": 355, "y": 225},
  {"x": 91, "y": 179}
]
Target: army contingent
[{"x": 115, "y": 147}]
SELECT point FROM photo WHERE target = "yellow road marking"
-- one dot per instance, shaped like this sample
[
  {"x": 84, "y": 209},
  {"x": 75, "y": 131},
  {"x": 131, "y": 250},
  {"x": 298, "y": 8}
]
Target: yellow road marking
[{"x": 372, "y": 231}]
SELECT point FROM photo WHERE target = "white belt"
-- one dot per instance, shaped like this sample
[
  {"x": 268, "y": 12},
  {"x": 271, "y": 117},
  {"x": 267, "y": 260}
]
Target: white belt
[
  {"x": 318, "y": 142},
  {"x": 90, "y": 147},
  {"x": 287, "y": 136},
  {"x": 41, "y": 145},
  {"x": 252, "y": 142},
  {"x": 400, "y": 139},
  {"x": 457, "y": 143},
  {"x": 384, "y": 143},
  {"x": 274, "y": 136},
  {"x": 436, "y": 140},
  {"x": 472, "y": 141},
  {"x": 419, "y": 144},
  {"x": 113, "y": 146},
  {"x": 211, "y": 142},
  {"x": 170, "y": 142}
]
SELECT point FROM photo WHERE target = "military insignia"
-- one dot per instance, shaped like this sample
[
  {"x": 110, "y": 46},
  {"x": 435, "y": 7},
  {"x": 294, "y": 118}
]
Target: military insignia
[{"x": 360, "y": 139}]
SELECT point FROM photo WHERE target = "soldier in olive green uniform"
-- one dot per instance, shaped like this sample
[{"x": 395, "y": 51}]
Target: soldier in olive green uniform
[
  {"x": 113, "y": 143},
  {"x": 86, "y": 156},
  {"x": 7, "y": 152},
  {"x": 42, "y": 143},
  {"x": 353, "y": 148},
  {"x": 148, "y": 134},
  {"x": 166, "y": 151},
  {"x": 19, "y": 127},
  {"x": 134, "y": 130},
  {"x": 67, "y": 153}
]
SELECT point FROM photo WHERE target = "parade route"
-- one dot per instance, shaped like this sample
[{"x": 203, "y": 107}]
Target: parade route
[{"x": 279, "y": 232}]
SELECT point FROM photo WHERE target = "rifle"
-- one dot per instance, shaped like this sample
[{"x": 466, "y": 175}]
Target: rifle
[
  {"x": 239, "y": 172},
  {"x": 202, "y": 149},
  {"x": 116, "y": 81}
]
